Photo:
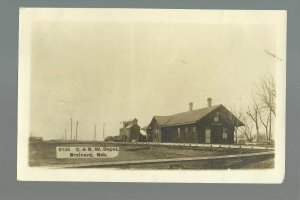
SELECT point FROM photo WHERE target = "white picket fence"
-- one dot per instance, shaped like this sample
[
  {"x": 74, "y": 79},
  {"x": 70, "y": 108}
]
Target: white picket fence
[{"x": 228, "y": 146}]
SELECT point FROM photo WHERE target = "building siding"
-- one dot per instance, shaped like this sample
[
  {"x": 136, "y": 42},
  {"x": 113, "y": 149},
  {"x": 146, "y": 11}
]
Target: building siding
[
  {"x": 129, "y": 134},
  {"x": 194, "y": 132}
]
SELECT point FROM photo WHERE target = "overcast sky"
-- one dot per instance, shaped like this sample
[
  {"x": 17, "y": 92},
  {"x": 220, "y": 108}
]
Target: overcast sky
[{"x": 106, "y": 71}]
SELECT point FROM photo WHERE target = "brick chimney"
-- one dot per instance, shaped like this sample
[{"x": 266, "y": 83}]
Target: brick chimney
[
  {"x": 209, "y": 102},
  {"x": 191, "y": 106}
]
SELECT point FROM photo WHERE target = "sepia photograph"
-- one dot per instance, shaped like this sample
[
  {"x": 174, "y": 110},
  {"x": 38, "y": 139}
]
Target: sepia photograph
[{"x": 151, "y": 95}]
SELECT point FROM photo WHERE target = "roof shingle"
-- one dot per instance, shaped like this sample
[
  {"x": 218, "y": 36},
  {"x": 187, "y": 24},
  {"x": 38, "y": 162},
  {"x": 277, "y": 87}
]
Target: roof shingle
[{"x": 185, "y": 117}]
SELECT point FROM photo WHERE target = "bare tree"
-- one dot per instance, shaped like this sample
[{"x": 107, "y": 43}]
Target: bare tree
[
  {"x": 253, "y": 113},
  {"x": 246, "y": 130},
  {"x": 266, "y": 95},
  {"x": 264, "y": 122},
  {"x": 236, "y": 120}
]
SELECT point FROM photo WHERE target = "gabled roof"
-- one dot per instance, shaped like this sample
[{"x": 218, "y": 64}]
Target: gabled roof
[
  {"x": 188, "y": 117},
  {"x": 131, "y": 120},
  {"x": 130, "y": 125}
]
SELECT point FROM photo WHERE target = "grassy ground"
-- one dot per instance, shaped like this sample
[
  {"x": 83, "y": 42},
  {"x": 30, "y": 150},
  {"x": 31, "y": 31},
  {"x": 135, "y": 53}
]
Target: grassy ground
[
  {"x": 44, "y": 153},
  {"x": 268, "y": 163}
]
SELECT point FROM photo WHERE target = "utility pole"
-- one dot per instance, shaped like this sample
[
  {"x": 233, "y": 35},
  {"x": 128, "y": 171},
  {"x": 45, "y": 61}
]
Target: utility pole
[
  {"x": 103, "y": 131},
  {"x": 71, "y": 130},
  {"x": 95, "y": 133},
  {"x": 65, "y": 134},
  {"x": 76, "y": 129}
]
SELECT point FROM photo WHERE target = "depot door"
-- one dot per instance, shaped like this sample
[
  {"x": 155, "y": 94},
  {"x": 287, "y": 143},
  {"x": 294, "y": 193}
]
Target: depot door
[{"x": 207, "y": 136}]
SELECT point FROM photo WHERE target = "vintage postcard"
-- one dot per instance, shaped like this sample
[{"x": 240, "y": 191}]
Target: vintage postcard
[{"x": 151, "y": 95}]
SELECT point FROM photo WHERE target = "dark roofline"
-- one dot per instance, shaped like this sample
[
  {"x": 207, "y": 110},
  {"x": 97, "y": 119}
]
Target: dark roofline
[
  {"x": 129, "y": 126},
  {"x": 214, "y": 107},
  {"x": 190, "y": 122},
  {"x": 239, "y": 123}
]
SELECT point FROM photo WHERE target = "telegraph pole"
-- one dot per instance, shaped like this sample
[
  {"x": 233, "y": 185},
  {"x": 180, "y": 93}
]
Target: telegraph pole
[
  {"x": 76, "y": 130},
  {"x": 103, "y": 131},
  {"x": 71, "y": 130},
  {"x": 65, "y": 134},
  {"x": 95, "y": 132}
]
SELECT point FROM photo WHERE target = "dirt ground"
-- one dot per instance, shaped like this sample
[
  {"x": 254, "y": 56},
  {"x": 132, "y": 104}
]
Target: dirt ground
[{"x": 44, "y": 153}]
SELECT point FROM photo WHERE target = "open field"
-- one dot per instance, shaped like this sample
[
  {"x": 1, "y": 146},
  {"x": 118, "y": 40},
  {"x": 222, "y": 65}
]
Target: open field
[{"x": 44, "y": 154}]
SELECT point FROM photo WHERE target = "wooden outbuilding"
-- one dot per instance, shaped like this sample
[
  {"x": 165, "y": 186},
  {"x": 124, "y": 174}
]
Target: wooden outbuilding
[{"x": 130, "y": 131}]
